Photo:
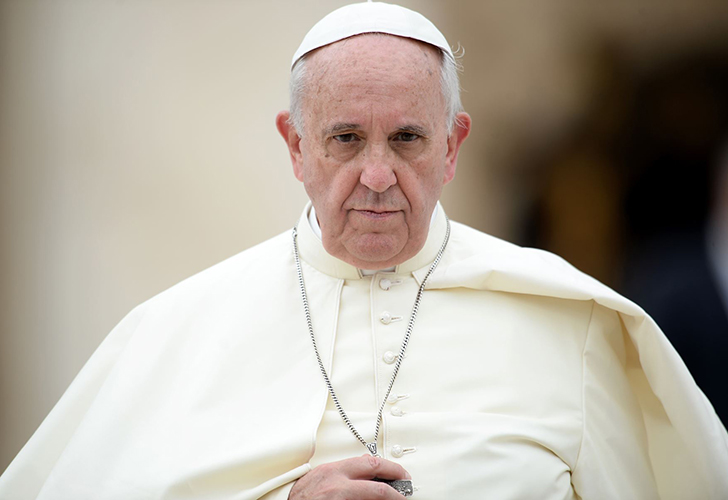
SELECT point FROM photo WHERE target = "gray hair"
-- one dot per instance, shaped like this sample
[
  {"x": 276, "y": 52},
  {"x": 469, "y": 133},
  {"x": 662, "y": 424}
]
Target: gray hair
[{"x": 449, "y": 79}]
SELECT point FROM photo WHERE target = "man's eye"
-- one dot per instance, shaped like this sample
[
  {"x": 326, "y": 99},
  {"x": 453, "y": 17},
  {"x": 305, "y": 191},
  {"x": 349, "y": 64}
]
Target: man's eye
[
  {"x": 345, "y": 138},
  {"x": 407, "y": 137}
]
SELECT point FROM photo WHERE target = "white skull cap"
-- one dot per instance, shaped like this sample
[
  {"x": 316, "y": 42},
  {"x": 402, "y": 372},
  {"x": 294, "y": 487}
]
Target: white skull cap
[{"x": 370, "y": 17}]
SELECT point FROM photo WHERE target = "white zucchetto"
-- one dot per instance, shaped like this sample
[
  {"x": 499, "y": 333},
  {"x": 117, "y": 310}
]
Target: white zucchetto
[{"x": 371, "y": 17}]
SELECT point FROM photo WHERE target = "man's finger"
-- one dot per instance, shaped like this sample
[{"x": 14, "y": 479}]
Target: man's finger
[
  {"x": 375, "y": 490},
  {"x": 369, "y": 467}
]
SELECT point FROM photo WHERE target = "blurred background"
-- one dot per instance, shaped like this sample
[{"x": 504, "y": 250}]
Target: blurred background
[{"x": 138, "y": 147}]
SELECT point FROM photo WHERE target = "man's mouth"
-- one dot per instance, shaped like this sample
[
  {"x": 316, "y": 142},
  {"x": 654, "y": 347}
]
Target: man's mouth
[{"x": 376, "y": 214}]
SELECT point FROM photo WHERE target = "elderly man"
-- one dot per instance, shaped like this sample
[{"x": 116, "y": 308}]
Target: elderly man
[{"x": 379, "y": 349}]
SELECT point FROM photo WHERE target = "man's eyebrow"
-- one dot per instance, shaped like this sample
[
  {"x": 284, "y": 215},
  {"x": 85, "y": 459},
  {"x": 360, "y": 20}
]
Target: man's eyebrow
[
  {"x": 340, "y": 127},
  {"x": 414, "y": 129}
]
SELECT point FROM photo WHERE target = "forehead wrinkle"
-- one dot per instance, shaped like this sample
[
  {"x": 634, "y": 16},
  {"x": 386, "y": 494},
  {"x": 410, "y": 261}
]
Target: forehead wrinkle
[
  {"x": 345, "y": 55},
  {"x": 331, "y": 80}
]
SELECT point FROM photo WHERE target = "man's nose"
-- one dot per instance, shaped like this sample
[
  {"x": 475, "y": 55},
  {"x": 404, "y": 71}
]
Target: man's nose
[{"x": 377, "y": 172}]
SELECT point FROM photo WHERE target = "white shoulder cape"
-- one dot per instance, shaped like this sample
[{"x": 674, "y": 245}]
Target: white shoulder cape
[{"x": 201, "y": 372}]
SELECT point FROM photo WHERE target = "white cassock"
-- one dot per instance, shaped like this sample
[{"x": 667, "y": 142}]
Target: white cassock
[{"x": 523, "y": 378}]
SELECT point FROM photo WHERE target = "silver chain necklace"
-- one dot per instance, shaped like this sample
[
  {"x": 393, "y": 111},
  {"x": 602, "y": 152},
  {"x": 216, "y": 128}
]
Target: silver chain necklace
[{"x": 371, "y": 446}]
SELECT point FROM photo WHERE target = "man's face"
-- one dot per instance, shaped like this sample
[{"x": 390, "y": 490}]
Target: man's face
[{"x": 375, "y": 150}]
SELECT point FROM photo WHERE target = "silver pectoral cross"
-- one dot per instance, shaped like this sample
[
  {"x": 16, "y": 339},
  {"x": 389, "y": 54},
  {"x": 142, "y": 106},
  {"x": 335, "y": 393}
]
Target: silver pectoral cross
[{"x": 403, "y": 486}]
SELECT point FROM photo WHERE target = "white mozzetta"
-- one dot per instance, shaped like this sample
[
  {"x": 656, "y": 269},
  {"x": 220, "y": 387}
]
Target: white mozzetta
[{"x": 523, "y": 379}]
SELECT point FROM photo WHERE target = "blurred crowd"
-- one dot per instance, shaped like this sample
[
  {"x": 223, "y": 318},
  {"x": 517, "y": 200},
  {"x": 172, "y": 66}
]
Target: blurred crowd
[{"x": 636, "y": 194}]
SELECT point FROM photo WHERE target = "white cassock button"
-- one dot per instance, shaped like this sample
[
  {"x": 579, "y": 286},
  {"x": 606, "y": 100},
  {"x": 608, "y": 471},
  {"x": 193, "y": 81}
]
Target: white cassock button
[
  {"x": 393, "y": 398},
  {"x": 397, "y": 451},
  {"x": 385, "y": 283},
  {"x": 389, "y": 357},
  {"x": 387, "y": 318},
  {"x": 396, "y": 411}
]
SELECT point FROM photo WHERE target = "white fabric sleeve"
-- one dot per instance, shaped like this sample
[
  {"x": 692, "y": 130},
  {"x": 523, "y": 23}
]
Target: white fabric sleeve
[
  {"x": 280, "y": 493},
  {"x": 614, "y": 460}
]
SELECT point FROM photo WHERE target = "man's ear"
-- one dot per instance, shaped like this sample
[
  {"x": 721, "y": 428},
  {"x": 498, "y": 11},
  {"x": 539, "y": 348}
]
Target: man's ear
[
  {"x": 460, "y": 132},
  {"x": 293, "y": 141}
]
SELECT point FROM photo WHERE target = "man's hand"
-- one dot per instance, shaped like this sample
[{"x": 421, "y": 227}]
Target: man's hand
[{"x": 350, "y": 479}]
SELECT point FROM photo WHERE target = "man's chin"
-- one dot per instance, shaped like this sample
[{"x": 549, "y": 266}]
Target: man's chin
[{"x": 375, "y": 251}]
